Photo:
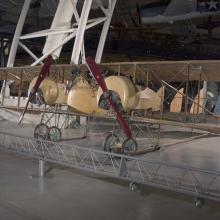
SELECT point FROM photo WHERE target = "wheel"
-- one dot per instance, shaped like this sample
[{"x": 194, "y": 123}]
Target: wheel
[
  {"x": 199, "y": 202},
  {"x": 133, "y": 187},
  {"x": 54, "y": 134},
  {"x": 129, "y": 146},
  {"x": 112, "y": 144},
  {"x": 40, "y": 131}
]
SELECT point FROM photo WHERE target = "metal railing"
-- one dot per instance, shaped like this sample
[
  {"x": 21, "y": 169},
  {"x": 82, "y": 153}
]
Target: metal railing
[{"x": 188, "y": 180}]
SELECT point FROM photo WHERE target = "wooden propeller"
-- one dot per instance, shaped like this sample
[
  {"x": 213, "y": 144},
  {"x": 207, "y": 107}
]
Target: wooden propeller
[
  {"x": 41, "y": 76},
  {"x": 95, "y": 71}
]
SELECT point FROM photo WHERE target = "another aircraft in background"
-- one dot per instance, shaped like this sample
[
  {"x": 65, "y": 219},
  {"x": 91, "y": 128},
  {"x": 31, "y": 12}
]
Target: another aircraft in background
[
  {"x": 177, "y": 10},
  {"x": 178, "y": 17}
]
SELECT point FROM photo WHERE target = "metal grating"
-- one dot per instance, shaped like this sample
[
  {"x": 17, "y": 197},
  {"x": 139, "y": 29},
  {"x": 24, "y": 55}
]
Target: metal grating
[{"x": 188, "y": 180}]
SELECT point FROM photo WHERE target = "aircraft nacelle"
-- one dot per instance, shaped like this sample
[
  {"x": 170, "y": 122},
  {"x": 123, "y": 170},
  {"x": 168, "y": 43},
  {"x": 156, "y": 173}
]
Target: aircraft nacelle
[
  {"x": 125, "y": 89},
  {"x": 49, "y": 92},
  {"x": 82, "y": 97},
  {"x": 87, "y": 99}
]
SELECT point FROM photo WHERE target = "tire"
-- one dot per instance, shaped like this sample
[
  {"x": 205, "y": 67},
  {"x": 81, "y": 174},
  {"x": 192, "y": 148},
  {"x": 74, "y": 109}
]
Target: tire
[
  {"x": 41, "y": 131},
  {"x": 54, "y": 134},
  {"x": 129, "y": 146},
  {"x": 111, "y": 144}
]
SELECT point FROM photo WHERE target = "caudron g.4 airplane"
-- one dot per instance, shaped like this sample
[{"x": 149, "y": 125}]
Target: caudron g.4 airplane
[{"x": 84, "y": 96}]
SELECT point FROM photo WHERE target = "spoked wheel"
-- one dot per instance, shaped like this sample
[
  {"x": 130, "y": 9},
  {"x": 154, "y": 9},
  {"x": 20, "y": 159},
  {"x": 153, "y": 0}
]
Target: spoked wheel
[
  {"x": 41, "y": 131},
  {"x": 129, "y": 146},
  {"x": 54, "y": 134},
  {"x": 112, "y": 144}
]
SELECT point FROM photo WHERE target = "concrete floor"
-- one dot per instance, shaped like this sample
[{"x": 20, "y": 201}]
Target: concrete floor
[{"x": 71, "y": 194}]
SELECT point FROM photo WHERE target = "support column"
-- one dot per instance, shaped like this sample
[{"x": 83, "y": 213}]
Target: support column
[
  {"x": 2, "y": 53},
  {"x": 18, "y": 32},
  {"x": 41, "y": 169},
  {"x": 205, "y": 90},
  {"x": 81, "y": 31},
  {"x": 61, "y": 21},
  {"x": 105, "y": 31}
]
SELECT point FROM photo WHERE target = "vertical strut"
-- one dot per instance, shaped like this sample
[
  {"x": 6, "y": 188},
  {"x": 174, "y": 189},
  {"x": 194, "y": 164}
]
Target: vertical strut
[
  {"x": 18, "y": 33},
  {"x": 104, "y": 33},
  {"x": 41, "y": 169},
  {"x": 81, "y": 31},
  {"x": 62, "y": 30}
]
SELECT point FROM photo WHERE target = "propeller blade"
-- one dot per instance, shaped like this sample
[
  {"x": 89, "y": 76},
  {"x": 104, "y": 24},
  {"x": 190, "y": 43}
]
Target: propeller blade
[
  {"x": 95, "y": 71},
  {"x": 42, "y": 75}
]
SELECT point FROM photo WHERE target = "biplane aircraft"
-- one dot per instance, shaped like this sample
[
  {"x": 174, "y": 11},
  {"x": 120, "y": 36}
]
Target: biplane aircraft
[
  {"x": 120, "y": 100},
  {"x": 158, "y": 93},
  {"x": 155, "y": 93}
]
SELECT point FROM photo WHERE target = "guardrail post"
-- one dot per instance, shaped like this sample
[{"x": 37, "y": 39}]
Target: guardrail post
[
  {"x": 123, "y": 171},
  {"x": 41, "y": 169}
]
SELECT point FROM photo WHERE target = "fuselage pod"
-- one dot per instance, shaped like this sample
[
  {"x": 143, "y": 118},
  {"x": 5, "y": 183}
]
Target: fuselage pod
[{"x": 82, "y": 97}]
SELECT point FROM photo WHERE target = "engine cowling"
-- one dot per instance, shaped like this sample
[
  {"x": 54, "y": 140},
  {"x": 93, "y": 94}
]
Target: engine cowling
[
  {"x": 124, "y": 88},
  {"x": 50, "y": 92}
]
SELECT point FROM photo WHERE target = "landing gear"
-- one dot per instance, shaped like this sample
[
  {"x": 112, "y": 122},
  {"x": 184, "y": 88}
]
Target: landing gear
[
  {"x": 199, "y": 202},
  {"x": 129, "y": 146},
  {"x": 112, "y": 144},
  {"x": 116, "y": 144},
  {"x": 54, "y": 134},
  {"x": 133, "y": 187},
  {"x": 41, "y": 131}
]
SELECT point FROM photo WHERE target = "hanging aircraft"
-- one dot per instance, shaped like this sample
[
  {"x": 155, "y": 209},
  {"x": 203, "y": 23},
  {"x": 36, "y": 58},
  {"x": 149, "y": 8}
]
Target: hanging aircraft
[
  {"x": 177, "y": 10},
  {"x": 210, "y": 25}
]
